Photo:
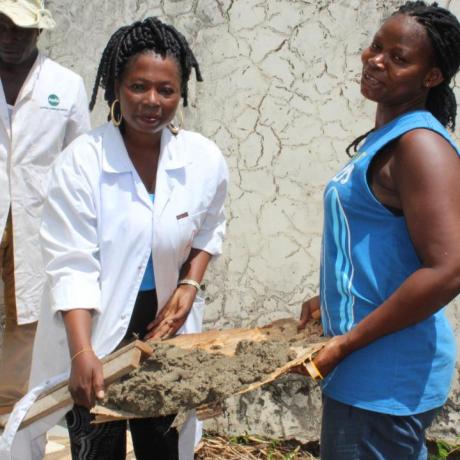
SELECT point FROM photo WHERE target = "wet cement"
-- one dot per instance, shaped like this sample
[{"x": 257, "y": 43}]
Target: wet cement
[{"x": 174, "y": 379}]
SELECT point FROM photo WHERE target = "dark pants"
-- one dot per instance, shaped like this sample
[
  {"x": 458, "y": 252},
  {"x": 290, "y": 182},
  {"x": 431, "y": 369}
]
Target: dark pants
[
  {"x": 153, "y": 439},
  {"x": 18, "y": 340},
  {"x": 350, "y": 433}
]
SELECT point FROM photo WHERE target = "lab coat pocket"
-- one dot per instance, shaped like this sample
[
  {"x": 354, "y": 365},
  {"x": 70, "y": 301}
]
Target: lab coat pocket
[
  {"x": 194, "y": 320},
  {"x": 36, "y": 180},
  {"x": 188, "y": 226}
]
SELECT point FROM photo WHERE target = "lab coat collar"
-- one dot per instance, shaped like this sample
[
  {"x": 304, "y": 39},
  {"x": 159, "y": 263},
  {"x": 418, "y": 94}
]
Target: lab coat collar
[
  {"x": 172, "y": 152},
  {"x": 4, "y": 117},
  {"x": 25, "y": 92},
  {"x": 172, "y": 158},
  {"x": 170, "y": 164},
  {"x": 116, "y": 158},
  {"x": 32, "y": 77}
]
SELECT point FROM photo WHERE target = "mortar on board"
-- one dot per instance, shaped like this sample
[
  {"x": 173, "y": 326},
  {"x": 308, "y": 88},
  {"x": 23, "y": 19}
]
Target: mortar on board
[{"x": 195, "y": 370}]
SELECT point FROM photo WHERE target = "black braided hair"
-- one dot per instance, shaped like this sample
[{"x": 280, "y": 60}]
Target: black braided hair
[
  {"x": 150, "y": 34},
  {"x": 353, "y": 147},
  {"x": 443, "y": 30}
]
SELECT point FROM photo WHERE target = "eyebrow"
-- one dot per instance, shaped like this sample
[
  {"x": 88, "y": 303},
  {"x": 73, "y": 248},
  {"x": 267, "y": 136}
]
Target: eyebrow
[
  {"x": 399, "y": 47},
  {"x": 145, "y": 80}
]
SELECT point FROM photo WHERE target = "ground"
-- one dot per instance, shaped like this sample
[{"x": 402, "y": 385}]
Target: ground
[
  {"x": 246, "y": 447},
  {"x": 212, "y": 447}
]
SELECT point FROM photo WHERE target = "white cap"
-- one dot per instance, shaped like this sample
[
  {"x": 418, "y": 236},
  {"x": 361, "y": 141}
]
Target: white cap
[{"x": 28, "y": 13}]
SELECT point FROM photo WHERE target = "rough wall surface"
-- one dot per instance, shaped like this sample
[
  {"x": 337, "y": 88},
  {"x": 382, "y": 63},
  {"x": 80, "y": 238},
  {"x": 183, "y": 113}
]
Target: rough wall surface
[{"x": 281, "y": 98}]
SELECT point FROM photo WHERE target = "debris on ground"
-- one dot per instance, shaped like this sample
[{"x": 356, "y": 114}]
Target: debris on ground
[{"x": 213, "y": 447}]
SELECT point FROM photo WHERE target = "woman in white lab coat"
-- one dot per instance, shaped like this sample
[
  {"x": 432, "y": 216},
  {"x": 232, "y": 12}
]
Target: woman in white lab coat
[{"x": 133, "y": 216}]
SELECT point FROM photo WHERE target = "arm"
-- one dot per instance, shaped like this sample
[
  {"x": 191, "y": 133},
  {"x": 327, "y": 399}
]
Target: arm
[
  {"x": 86, "y": 378},
  {"x": 173, "y": 315},
  {"x": 425, "y": 174},
  {"x": 206, "y": 243},
  {"x": 70, "y": 253}
]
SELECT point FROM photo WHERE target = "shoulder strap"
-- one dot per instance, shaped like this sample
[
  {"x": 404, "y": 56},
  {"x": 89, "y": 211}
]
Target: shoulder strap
[{"x": 401, "y": 125}]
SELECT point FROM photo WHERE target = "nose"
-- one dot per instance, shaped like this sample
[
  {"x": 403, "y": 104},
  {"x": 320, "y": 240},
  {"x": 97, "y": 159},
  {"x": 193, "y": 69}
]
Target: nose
[
  {"x": 377, "y": 60},
  {"x": 152, "y": 98}
]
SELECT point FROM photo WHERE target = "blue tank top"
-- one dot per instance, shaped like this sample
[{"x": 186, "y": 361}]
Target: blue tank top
[
  {"x": 367, "y": 253},
  {"x": 148, "y": 281}
]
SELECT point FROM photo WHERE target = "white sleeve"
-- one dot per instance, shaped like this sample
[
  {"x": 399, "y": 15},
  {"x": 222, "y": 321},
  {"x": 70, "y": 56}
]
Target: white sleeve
[
  {"x": 211, "y": 234},
  {"x": 79, "y": 121},
  {"x": 69, "y": 239}
]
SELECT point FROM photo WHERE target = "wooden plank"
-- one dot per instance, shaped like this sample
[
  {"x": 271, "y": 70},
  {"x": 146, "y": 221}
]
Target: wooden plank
[
  {"x": 115, "y": 365},
  {"x": 225, "y": 341},
  {"x": 210, "y": 411}
]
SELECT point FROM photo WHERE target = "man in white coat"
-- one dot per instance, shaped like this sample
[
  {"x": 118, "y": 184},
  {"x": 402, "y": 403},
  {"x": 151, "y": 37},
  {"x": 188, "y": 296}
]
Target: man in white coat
[{"x": 43, "y": 107}]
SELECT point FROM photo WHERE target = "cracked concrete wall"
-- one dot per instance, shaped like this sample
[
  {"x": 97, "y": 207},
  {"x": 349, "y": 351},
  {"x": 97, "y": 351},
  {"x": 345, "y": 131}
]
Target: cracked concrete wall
[{"x": 281, "y": 98}]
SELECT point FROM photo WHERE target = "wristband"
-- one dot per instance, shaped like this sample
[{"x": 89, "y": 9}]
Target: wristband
[
  {"x": 313, "y": 370},
  {"x": 190, "y": 282}
]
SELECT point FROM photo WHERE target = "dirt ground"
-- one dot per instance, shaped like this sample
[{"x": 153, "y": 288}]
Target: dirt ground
[{"x": 213, "y": 447}]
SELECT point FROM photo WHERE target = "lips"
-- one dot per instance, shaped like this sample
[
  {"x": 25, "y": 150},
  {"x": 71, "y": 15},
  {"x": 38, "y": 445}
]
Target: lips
[
  {"x": 10, "y": 51},
  {"x": 370, "y": 80},
  {"x": 149, "y": 118}
]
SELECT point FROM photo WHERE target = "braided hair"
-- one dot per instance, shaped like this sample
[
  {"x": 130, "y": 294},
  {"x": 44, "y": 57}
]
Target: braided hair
[
  {"x": 443, "y": 30},
  {"x": 150, "y": 34}
]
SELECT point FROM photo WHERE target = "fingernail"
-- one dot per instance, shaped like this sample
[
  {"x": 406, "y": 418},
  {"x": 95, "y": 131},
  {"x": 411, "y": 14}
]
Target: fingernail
[{"x": 100, "y": 394}]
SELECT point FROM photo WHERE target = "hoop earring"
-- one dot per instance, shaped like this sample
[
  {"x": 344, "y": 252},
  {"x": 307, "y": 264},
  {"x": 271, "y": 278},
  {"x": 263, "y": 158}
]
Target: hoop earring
[
  {"x": 115, "y": 122},
  {"x": 175, "y": 129}
]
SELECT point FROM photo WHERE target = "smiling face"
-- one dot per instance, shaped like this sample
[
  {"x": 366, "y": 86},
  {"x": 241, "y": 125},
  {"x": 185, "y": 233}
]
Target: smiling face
[
  {"x": 17, "y": 44},
  {"x": 149, "y": 92},
  {"x": 398, "y": 66}
]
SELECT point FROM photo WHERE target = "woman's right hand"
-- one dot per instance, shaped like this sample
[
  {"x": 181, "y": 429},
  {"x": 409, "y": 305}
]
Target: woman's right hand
[
  {"x": 311, "y": 309},
  {"x": 86, "y": 382}
]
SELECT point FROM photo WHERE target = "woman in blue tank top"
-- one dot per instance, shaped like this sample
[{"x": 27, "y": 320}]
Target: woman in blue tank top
[{"x": 390, "y": 253}]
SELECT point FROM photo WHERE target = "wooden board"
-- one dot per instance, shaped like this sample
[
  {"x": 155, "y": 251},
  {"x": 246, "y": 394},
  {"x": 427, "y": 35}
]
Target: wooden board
[
  {"x": 117, "y": 364},
  {"x": 225, "y": 341}
]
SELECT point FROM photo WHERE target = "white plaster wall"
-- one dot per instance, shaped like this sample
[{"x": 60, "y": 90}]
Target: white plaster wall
[{"x": 281, "y": 98}]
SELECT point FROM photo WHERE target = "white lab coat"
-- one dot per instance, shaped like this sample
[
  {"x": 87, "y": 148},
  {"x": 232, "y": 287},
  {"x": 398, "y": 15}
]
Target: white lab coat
[
  {"x": 50, "y": 111},
  {"x": 99, "y": 228}
]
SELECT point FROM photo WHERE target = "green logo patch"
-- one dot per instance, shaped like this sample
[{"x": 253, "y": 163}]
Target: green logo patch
[{"x": 53, "y": 100}]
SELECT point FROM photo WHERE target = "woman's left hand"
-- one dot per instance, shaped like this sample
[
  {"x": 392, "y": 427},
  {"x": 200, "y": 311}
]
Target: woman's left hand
[
  {"x": 328, "y": 357},
  {"x": 333, "y": 352},
  {"x": 173, "y": 315}
]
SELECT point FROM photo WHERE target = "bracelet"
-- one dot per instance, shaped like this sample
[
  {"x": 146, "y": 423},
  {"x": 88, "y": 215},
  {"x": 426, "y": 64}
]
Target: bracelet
[
  {"x": 80, "y": 352},
  {"x": 190, "y": 282},
  {"x": 313, "y": 370}
]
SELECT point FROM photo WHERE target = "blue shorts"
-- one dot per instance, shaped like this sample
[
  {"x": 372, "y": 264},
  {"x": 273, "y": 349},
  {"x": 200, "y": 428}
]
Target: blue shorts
[{"x": 350, "y": 433}]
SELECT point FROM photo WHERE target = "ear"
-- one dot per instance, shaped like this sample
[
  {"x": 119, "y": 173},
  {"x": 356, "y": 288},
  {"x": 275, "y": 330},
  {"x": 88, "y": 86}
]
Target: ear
[{"x": 433, "y": 78}]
